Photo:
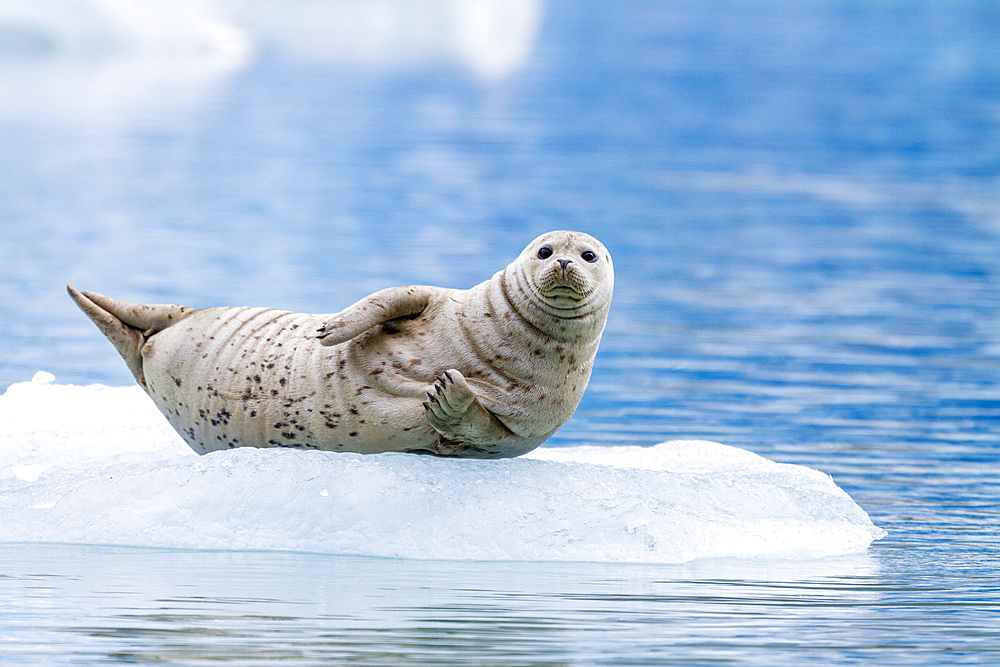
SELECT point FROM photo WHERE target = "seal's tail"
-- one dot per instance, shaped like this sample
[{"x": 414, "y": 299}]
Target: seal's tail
[{"x": 127, "y": 325}]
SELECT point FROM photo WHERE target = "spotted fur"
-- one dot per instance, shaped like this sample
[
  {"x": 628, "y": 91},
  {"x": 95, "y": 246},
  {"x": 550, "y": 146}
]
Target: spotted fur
[{"x": 491, "y": 371}]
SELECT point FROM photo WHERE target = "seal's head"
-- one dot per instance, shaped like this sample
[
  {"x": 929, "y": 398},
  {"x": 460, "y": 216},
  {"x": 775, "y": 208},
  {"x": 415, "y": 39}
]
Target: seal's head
[{"x": 568, "y": 274}]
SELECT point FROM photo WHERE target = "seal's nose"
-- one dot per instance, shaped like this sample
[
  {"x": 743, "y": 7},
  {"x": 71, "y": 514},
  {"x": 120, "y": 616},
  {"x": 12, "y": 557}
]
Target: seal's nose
[{"x": 564, "y": 262}]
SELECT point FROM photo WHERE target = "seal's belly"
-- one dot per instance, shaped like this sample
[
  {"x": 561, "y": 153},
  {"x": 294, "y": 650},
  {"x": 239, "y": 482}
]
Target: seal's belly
[{"x": 231, "y": 377}]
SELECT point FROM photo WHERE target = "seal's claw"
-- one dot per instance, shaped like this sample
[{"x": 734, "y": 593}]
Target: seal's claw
[{"x": 451, "y": 397}]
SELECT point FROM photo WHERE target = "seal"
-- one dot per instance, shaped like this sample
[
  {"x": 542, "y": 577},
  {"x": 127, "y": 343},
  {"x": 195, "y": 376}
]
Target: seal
[{"x": 487, "y": 372}]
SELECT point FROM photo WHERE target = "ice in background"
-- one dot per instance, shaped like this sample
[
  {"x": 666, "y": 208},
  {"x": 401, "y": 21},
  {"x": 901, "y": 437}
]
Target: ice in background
[
  {"x": 99, "y": 465},
  {"x": 115, "y": 61}
]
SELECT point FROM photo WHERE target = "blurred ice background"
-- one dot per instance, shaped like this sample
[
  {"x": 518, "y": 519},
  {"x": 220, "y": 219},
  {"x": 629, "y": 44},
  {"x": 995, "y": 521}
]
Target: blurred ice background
[{"x": 101, "y": 61}]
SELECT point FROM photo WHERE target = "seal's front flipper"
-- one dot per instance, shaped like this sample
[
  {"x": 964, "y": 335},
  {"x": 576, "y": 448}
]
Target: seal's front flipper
[
  {"x": 465, "y": 426},
  {"x": 383, "y": 306},
  {"x": 451, "y": 397}
]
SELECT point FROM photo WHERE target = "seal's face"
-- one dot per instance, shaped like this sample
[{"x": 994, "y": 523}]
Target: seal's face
[{"x": 570, "y": 273}]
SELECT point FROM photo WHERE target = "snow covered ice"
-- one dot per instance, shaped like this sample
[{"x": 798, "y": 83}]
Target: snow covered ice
[{"x": 100, "y": 465}]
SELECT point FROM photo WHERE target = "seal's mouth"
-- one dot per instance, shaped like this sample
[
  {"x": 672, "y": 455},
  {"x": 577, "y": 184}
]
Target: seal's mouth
[
  {"x": 563, "y": 283},
  {"x": 565, "y": 291}
]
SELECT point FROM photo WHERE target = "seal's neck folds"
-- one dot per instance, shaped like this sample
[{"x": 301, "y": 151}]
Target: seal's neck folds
[{"x": 582, "y": 324}]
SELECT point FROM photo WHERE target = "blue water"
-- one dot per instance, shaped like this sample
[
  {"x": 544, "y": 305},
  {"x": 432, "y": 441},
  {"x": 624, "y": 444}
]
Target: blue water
[{"x": 803, "y": 204}]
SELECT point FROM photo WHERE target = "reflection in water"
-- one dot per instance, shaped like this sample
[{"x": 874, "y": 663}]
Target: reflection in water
[{"x": 142, "y": 605}]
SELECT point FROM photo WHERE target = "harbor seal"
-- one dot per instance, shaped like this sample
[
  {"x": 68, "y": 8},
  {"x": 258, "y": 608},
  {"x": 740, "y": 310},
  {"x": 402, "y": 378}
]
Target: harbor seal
[{"x": 487, "y": 372}]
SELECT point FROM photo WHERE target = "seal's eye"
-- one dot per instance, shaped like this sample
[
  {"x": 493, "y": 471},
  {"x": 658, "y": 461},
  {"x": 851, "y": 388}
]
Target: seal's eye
[
  {"x": 544, "y": 252},
  {"x": 589, "y": 256}
]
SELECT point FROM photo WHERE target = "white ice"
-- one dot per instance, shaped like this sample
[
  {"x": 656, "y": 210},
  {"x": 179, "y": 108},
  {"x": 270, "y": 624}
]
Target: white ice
[{"x": 100, "y": 465}]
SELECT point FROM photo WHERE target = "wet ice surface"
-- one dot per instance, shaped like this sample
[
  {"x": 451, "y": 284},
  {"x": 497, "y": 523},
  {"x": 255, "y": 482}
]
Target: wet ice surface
[{"x": 99, "y": 465}]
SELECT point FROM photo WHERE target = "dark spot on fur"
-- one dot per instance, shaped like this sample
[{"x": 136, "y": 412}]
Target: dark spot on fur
[
  {"x": 282, "y": 382},
  {"x": 352, "y": 433}
]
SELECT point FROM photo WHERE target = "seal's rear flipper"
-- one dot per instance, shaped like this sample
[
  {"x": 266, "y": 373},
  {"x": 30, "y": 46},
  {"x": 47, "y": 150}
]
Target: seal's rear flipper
[
  {"x": 127, "y": 340},
  {"x": 127, "y": 325}
]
